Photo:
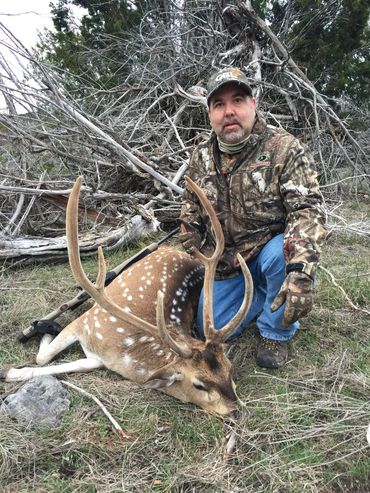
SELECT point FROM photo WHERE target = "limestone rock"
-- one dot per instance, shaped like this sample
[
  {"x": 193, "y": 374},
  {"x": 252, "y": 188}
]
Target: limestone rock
[{"x": 39, "y": 403}]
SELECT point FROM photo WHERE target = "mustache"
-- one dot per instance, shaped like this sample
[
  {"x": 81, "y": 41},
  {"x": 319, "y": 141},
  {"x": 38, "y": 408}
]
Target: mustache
[{"x": 230, "y": 121}]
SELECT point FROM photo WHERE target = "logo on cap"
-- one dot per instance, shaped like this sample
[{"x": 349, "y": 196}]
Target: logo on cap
[{"x": 229, "y": 73}]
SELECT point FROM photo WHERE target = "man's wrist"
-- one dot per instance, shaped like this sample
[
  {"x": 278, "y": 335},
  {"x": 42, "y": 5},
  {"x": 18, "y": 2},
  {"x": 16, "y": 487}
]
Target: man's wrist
[{"x": 307, "y": 268}]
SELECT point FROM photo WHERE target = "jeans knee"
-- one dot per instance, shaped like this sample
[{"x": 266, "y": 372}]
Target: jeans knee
[{"x": 273, "y": 260}]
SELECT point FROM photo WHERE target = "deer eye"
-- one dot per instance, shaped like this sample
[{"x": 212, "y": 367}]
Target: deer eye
[{"x": 200, "y": 386}]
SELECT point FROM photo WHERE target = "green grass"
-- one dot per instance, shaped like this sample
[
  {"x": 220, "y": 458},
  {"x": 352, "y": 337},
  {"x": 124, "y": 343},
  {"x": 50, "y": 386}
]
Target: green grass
[{"x": 300, "y": 429}]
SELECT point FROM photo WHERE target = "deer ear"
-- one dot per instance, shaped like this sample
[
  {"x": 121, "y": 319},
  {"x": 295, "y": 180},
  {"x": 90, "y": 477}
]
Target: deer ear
[{"x": 162, "y": 379}]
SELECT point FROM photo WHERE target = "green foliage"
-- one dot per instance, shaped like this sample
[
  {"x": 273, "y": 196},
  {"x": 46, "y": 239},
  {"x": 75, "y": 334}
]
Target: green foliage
[
  {"x": 360, "y": 470},
  {"x": 90, "y": 51}
]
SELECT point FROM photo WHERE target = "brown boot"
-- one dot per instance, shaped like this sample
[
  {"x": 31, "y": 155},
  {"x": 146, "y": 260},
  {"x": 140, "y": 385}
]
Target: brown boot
[{"x": 272, "y": 354}]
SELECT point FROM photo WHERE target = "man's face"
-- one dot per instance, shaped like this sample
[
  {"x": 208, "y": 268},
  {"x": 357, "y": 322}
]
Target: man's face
[{"x": 232, "y": 113}]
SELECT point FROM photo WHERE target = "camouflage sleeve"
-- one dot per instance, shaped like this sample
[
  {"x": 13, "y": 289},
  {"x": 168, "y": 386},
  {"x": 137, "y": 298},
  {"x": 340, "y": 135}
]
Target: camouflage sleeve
[
  {"x": 190, "y": 207},
  {"x": 305, "y": 229}
]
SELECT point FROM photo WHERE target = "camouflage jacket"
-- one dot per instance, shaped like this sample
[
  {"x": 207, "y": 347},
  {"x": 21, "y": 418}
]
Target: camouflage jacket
[{"x": 271, "y": 189}]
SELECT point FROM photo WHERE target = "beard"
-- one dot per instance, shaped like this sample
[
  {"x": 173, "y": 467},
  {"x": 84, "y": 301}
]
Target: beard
[{"x": 232, "y": 135}]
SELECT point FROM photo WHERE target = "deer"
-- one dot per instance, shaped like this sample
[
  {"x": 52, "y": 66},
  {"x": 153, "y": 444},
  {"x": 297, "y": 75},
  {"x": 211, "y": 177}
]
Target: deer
[{"x": 140, "y": 325}]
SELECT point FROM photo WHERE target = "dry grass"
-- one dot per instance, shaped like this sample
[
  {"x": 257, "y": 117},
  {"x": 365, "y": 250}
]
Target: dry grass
[{"x": 301, "y": 429}]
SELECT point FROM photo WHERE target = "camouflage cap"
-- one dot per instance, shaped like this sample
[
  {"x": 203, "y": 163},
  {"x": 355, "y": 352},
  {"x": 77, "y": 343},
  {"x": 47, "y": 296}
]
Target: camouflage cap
[{"x": 225, "y": 76}]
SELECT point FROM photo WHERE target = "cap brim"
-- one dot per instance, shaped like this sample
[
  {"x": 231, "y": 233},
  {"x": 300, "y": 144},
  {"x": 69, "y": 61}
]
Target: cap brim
[{"x": 245, "y": 86}]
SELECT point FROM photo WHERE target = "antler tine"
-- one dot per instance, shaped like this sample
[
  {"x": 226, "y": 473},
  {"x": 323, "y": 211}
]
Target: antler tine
[
  {"x": 97, "y": 292},
  {"x": 182, "y": 349},
  {"x": 210, "y": 264},
  {"x": 227, "y": 330}
]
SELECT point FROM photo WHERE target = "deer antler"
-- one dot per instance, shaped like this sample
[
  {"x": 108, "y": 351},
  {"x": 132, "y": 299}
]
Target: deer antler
[
  {"x": 97, "y": 291},
  {"x": 210, "y": 264}
]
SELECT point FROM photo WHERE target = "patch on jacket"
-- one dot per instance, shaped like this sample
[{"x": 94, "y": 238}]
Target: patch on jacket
[{"x": 262, "y": 161}]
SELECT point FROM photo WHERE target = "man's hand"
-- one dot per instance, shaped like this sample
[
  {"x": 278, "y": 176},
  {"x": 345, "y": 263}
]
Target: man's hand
[
  {"x": 190, "y": 240},
  {"x": 297, "y": 293}
]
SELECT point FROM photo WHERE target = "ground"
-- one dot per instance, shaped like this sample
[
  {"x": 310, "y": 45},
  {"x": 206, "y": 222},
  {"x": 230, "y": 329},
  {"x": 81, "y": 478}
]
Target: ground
[{"x": 300, "y": 429}]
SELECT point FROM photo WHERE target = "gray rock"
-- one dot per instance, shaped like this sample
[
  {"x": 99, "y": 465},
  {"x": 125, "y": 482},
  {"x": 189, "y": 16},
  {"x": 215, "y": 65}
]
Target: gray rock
[{"x": 39, "y": 403}]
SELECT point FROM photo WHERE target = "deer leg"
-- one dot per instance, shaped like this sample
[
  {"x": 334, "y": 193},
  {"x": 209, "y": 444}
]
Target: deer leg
[
  {"x": 50, "y": 347},
  {"x": 21, "y": 374}
]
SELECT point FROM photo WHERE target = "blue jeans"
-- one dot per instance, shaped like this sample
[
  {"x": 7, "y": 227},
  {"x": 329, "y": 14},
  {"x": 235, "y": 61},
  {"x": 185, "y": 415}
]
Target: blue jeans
[{"x": 268, "y": 274}]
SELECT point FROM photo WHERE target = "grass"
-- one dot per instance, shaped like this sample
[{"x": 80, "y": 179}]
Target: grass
[{"x": 301, "y": 429}]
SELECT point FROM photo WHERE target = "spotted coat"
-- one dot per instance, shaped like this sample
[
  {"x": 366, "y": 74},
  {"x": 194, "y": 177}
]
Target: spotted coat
[
  {"x": 270, "y": 188},
  {"x": 179, "y": 278}
]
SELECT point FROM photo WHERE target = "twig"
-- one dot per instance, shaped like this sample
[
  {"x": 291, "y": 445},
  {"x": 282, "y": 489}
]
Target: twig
[
  {"x": 176, "y": 133},
  {"x": 348, "y": 299},
  {"x": 15, "y": 215},
  {"x": 116, "y": 426},
  {"x": 37, "y": 191},
  {"x": 355, "y": 177},
  {"x": 29, "y": 207}
]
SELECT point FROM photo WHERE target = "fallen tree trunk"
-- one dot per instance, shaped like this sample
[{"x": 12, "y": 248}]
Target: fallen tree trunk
[{"x": 31, "y": 249}]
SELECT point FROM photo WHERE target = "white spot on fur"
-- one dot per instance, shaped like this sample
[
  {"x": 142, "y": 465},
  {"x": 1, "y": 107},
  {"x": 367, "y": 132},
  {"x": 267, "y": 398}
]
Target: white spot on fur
[
  {"x": 129, "y": 341},
  {"x": 126, "y": 359},
  {"x": 120, "y": 329},
  {"x": 113, "y": 319},
  {"x": 98, "y": 335},
  {"x": 175, "y": 319}
]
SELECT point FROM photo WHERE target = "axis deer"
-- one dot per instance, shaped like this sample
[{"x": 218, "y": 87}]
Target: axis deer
[{"x": 140, "y": 324}]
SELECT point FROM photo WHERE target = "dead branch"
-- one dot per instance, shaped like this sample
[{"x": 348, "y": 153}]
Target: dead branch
[{"x": 46, "y": 249}]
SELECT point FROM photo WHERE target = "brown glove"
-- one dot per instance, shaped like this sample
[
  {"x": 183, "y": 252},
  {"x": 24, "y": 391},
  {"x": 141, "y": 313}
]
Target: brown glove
[
  {"x": 190, "y": 240},
  {"x": 297, "y": 292}
]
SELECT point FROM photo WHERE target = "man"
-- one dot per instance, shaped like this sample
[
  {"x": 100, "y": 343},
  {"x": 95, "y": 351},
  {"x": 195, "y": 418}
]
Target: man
[{"x": 260, "y": 181}]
